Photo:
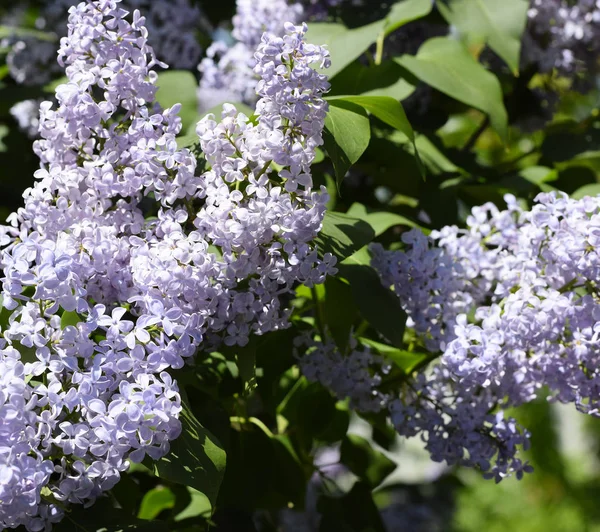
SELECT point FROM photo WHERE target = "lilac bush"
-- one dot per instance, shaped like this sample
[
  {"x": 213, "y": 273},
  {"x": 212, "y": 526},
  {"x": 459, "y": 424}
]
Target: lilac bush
[
  {"x": 128, "y": 259},
  {"x": 511, "y": 303}
]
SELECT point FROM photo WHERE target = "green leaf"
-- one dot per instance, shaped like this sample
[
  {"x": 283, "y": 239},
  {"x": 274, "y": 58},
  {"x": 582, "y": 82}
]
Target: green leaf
[
  {"x": 386, "y": 79},
  {"x": 156, "y": 501},
  {"x": 380, "y": 221},
  {"x": 388, "y": 110},
  {"x": 540, "y": 176},
  {"x": 349, "y": 135},
  {"x": 343, "y": 235},
  {"x": 52, "y": 85},
  {"x": 196, "y": 458},
  {"x": 4, "y": 315},
  {"x": 179, "y": 86},
  {"x": 586, "y": 190},
  {"x": 199, "y": 506},
  {"x": 344, "y": 45},
  {"x": 407, "y": 361},
  {"x": 378, "y": 305},
  {"x": 104, "y": 517},
  {"x": 187, "y": 140},
  {"x": 406, "y": 11},
  {"x": 366, "y": 463},
  {"x": 446, "y": 65},
  {"x": 264, "y": 470},
  {"x": 499, "y": 24},
  {"x": 246, "y": 362},
  {"x": 69, "y": 318},
  {"x": 340, "y": 311}
]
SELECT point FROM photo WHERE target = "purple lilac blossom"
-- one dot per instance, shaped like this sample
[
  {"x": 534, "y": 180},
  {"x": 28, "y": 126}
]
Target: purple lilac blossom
[
  {"x": 228, "y": 69},
  {"x": 510, "y": 304},
  {"x": 172, "y": 25},
  {"x": 82, "y": 397}
]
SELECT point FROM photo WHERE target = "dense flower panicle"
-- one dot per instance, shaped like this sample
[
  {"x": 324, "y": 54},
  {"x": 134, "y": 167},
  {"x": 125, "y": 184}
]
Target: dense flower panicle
[
  {"x": 512, "y": 304},
  {"x": 32, "y": 61},
  {"x": 172, "y": 25},
  {"x": 126, "y": 259},
  {"x": 228, "y": 69},
  {"x": 253, "y": 18}
]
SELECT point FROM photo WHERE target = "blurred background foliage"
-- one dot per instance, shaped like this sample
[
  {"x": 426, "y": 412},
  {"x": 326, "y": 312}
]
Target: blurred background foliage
[{"x": 492, "y": 115}]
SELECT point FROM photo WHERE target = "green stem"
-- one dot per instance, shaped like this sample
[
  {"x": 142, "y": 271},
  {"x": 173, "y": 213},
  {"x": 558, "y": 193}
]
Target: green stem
[
  {"x": 379, "y": 48},
  {"x": 476, "y": 134}
]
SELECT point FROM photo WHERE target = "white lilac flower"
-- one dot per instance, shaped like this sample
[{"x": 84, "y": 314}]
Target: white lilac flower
[{"x": 81, "y": 398}]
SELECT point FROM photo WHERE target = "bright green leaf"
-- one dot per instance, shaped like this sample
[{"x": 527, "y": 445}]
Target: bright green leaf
[
  {"x": 500, "y": 24},
  {"x": 349, "y": 135},
  {"x": 386, "y": 79},
  {"x": 69, "y": 318},
  {"x": 446, "y": 65},
  {"x": 179, "y": 86},
  {"x": 587, "y": 190},
  {"x": 406, "y": 11},
  {"x": 199, "y": 506},
  {"x": 156, "y": 501},
  {"x": 343, "y": 235},
  {"x": 380, "y": 221},
  {"x": 388, "y": 110},
  {"x": 344, "y": 45}
]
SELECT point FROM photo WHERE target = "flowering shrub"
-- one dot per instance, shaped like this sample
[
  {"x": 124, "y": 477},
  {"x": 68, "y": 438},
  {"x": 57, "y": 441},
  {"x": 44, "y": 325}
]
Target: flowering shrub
[
  {"x": 101, "y": 299},
  {"x": 239, "y": 286}
]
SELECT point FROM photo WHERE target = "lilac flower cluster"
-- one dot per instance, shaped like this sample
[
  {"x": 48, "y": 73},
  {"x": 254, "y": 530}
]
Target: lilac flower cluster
[
  {"x": 126, "y": 259},
  {"x": 228, "y": 69},
  {"x": 563, "y": 35},
  {"x": 512, "y": 304},
  {"x": 171, "y": 24}
]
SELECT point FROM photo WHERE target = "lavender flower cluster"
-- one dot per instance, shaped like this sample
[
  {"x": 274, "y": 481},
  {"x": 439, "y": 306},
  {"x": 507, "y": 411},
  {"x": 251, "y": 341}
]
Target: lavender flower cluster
[
  {"x": 563, "y": 35},
  {"x": 228, "y": 69},
  {"x": 171, "y": 24},
  {"x": 511, "y": 303},
  {"x": 126, "y": 259}
]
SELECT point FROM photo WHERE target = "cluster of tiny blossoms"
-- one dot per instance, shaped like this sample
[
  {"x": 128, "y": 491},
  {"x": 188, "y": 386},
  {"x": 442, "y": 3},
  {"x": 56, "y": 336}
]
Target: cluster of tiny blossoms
[
  {"x": 172, "y": 25},
  {"x": 127, "y": 259},
  {"x": 228, "y": 69},
  {"x": 511, "y": 304}
]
